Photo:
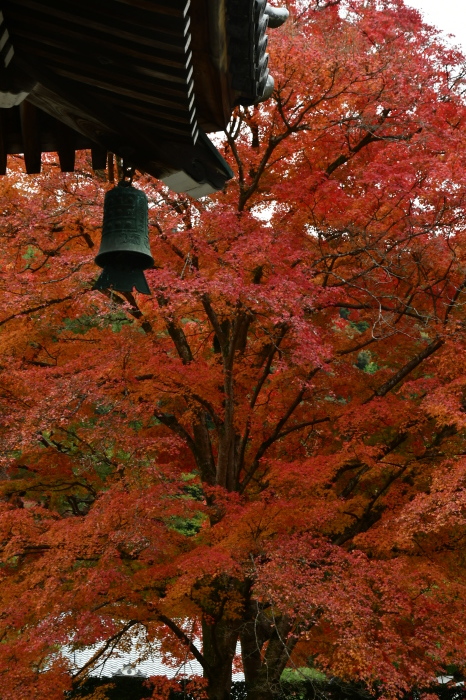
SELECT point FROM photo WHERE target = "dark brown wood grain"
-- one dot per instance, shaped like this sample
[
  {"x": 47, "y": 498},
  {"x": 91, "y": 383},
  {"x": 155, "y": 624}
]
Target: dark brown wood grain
[
  {"x": 134, "y": 77},
  {"x": 32, "y": 151}
]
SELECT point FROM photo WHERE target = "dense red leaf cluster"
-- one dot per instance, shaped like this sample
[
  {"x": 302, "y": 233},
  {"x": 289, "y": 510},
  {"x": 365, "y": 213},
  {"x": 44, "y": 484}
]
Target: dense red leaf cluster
[{"x": 271, "y": 447}]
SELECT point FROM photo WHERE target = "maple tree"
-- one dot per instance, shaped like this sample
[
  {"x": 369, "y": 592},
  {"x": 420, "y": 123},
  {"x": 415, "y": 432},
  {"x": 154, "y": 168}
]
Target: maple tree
[{"x": 270, "y": 448}]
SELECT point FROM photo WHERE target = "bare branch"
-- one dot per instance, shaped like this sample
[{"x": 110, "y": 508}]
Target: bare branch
[
  {"x": 408, "y": 368},
  {"x": 184, "y": 638}
]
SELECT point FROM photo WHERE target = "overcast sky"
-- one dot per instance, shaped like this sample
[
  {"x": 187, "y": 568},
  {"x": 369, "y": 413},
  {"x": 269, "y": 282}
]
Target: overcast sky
[{"x": 447, "y": 15}]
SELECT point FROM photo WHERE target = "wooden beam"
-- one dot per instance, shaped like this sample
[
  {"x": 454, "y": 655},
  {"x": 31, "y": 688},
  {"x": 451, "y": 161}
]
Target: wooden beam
[
  {"x": 92, "y": 112},
  {"x": 115, "y": 15},
  {"x": 66, "y": 147},
  {"x": 176, "y": 8},
  {"x": 111, "y": 167},
  {"x": 212, "y": 76},
  {"x": 99, "y": 157},
  {"x": 100, "y": 124},
  {"x": 135, "y": 106},
  {"x": 29, "y": 46},
  {"x": 146, "y": 80},
  {"x": 102, "y": 47},
  {"x": 174, "y": 37},
  {"x": 3, "y": 139},
  {"x": 29, "y": 131},
  {"x": 117, "y": 87}
]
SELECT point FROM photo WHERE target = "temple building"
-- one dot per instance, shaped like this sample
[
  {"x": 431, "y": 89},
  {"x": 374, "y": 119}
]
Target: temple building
[{"x": 144, "y": 79}]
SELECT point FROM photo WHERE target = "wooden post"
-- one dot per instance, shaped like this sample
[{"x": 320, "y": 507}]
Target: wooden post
[{"x": 32, "y": 151}]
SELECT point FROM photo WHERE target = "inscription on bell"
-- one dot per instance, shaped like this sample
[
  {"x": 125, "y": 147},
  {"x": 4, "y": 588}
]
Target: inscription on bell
[
  {"x": 124, "y": 250},
  {"x": 125, "y": 231},
  {"x": 125, "y": 212}
]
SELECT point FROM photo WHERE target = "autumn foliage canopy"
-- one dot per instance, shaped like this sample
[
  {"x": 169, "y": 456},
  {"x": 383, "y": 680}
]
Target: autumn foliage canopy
[{"x": 269, "y": 449}]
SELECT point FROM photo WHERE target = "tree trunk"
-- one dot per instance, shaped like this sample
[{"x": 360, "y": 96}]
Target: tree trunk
[
  {"x": 262, "y": 671},
  {"x": 219, "y": 646}
]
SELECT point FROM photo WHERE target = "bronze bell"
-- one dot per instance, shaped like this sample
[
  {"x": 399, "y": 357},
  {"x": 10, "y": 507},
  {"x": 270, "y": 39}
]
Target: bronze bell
[{"x": 124, "y": 251}]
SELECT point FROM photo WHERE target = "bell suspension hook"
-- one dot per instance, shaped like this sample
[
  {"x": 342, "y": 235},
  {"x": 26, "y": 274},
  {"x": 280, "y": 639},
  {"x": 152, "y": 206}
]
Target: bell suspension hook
[{"x": 127, "y": 174}]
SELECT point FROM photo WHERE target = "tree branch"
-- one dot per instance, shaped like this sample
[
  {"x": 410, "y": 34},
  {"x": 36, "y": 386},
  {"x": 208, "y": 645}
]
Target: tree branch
[
  {"x": 171, "y": 422},
  {"x": 184, "y": 638},
  {"x": 276, "y": 344},
  {"x": 342, "y": 159},
  {"x": 300, "y": 426},
  {"x": 32, "y": 310},
  {"x": 408, "y": 368},
  {"x": 111, "y": 642},
  {"x": 177, "y": 335},
  {"x": 215, "y": 323},
  {"x": 276, "y": 432}
]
